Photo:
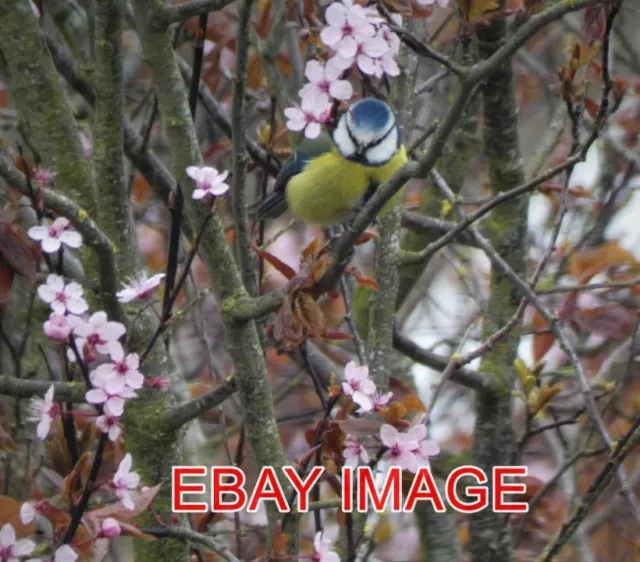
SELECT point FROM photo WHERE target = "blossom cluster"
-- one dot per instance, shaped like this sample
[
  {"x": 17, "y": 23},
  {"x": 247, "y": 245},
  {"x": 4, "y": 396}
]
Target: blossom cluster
[
  {"x": 408, "y": 450},
  {"x": 357, "y": 38},
  {"x": 13, "y": 549}
]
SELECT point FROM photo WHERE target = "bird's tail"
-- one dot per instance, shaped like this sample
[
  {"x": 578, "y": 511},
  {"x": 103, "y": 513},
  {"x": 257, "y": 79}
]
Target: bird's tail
[{"x": 272, "y": 207}]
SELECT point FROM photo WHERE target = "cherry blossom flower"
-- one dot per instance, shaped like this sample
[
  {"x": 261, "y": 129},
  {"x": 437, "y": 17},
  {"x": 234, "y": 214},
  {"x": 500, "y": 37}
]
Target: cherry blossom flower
[
  {"x": 63, "y": 298},
  {"x": 312, "y": 114},
  {"x": 43, "y": 176},
  {"x": 354, "y": 451},
  {"x": 208, "y": 181},
  {"x": 426, "y": 448},
  {"x": 358, "y": 385},
  {"x": 58, "y": 327},
  {"x": 323, "y": 551},
  {"x": 157, "y": 383},
  {"x": 125, "y": 480},
  {"x": 110, "y": 528},
  {"x": 366, "y": 55},
  {"x": 441, "y": 3},
  {"x": 380, "y": 400},
  {"x": 28, "y": 512},
  {"x": 113, "y": 401},
  {"x": 11, "y": 550},
  {"x": 122, "y": 372},
  {"x": 110, "y": 426},
  {"x": 325, "y": 83},
  {"x": 347, "y": 24},
  {"x": 51, "y": 237},
  {"x": 65, "y": 554},
  {"x": 95, "y": 333},
  {"x": 401, "y": 448},
  {"x": 44, "y": 411},
  {"x": 141, "y": 288}
]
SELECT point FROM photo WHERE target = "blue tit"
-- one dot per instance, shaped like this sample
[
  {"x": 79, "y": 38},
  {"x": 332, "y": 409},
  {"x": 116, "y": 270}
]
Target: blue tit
[{"x": 327, "y": 178}]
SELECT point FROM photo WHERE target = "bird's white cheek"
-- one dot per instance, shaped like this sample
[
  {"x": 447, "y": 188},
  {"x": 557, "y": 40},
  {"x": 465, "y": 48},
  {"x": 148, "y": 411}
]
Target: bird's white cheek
[
  {"x": 343, "y": 141},
  {"x": 383, "y": 152}
]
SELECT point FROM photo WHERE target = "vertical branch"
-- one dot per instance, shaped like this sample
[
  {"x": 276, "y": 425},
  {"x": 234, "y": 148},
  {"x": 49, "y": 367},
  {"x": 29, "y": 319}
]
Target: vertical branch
[
  {"x": 506, "y": 230},
  {"x": 240, "y": 157},
  {"x": 115, "y": 215},
  {"x": 241, "y": 338}
]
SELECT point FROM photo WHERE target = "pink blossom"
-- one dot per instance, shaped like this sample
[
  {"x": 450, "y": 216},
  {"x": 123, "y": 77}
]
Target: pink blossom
[
  {"x": 51, "y": 237},
  {"x": 113, "y": 401},
  {"x": 323, "y": 551},
  {"x": 110, "y": 426},
  {"x": 29, "y": 511},
  {"x": 43, "y": 411},
  {"x": 43, "y": 176},
  {"x": 141, "y": 288},
  {"x": 11, "y": 550},
  {"x": 312, "y": 114},
  {"x": 354, "y": 452},
  {"x": 157, "y": 383},
  {"x": 208, "y": 181},
  {"x": 380, "y": 400},
  {"x": 441, "y": 3},
  {"x": 125, "y": 480},
  {"x": 97, "y": 332},
  {"x": 401, "y": 448},
  {"x": 408, "y": 450},
  {"x": 325, "y": 83},
  {"x": 110, "y": 528},
  {"x": 366, "y": 55},
  {"x": 63, "y": 298},
  {"x": 58, "y": 327},
  {"x": 358, "y": 385},
  {"x": 347, "y": 24},
  {"x": 65, "y": 554},
  {"x": 122, "y": 372}
]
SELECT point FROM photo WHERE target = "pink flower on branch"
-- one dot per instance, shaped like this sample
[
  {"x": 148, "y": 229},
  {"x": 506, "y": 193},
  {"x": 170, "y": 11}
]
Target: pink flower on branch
[
  {"x": 122, "y": 372},
  {"x": 325, "y": 83},
  {"x": 347, "y": 25},
  {"x": 44, "y": 411},
  {"x": 61, "y": 298},
  {"x": 12, "y": 550},
  {"x": 113, "y": 402},
  {"x": 141, "y": 288},
  {"x": 110, "y": 528},
  {"x": 358, "y": 385},
  {"x": 310, "y": 117},
  {"x": 110, "y": 426},
  {"x": 209, "y": 182},
  {"x": 323, "y": 551},
  {"x": 52, "y": 237},
  {"x": 124, "y": 480},
  {"x": 97, "y": 332},
  {"x": 408, "y": 450},
  {"x": 65, "y": 554},
  {"x": 57, "y": 327},
  {"x": 354, "y": 452}
]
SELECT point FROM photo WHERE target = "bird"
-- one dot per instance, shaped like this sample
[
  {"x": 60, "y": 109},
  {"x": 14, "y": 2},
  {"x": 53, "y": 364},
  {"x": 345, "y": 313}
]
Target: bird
[{"x": 327, "y": 178}]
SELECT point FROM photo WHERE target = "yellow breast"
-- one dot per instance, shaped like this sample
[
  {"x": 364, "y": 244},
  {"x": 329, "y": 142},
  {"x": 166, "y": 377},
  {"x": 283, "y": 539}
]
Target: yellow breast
[{"x": 330, "y": 186}]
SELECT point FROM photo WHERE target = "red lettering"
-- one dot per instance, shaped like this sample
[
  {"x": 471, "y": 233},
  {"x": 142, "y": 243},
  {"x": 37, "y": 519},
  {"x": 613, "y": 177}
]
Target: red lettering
[
  {"x": 347, "y": 489},
  {"x": 367, "y": 489},
  {"x": 500, "y": 488},
  {"x": 424, "y": 478},
  {"x": 268, "y": 488},
  {"x": 303, "y": 487},
  {"x": 179, "y": 488},
  {"x": 227, "y": 480},
  {"x": 479, "y": 492}
]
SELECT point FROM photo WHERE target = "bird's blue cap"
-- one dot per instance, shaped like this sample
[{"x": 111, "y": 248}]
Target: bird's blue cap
[{"x": 370, "y": 113}]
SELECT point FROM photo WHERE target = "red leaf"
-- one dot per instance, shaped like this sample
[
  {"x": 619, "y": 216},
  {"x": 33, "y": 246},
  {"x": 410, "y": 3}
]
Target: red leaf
[
  {"x": 332, "y": 334},
  {"x": 361, "y": 279},
  {"x": 282, "y": 267},
  {"x": 17, "y": 254},
  {"x": 594, "y": 23}
]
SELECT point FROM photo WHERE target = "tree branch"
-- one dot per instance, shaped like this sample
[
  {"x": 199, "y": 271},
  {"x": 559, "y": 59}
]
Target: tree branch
[{"x": 25, "y": 388}]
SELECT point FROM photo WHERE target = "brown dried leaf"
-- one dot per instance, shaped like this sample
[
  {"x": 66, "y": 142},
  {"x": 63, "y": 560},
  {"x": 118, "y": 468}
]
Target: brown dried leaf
[
  {"x": 361, "y": 279},
  {"x": 77, "y": 476},
  {"x": 413, "y": 404},
  {"x": 393, "y": 413},
  {"x": 10, "y": 513},
  {"x": 17, "y": 253},
  {"x": 282, "y": 267},
  {"x": 141, "y": 501}
]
